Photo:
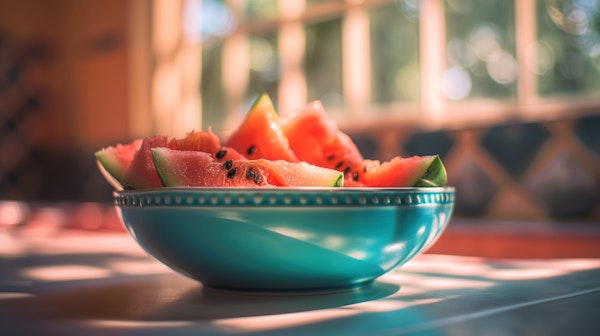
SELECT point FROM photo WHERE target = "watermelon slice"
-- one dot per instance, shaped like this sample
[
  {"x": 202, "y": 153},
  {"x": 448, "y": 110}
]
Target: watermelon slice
[
  {"x": 131, "y": 166},
  {"x": 316, "y": 139},
  {"x": 114, "y": 161},
  {"x": 141, "y": 173},
  {"x": 260, "y": 135},
  {"x": 415, "y": 171},
  {"x": 195, "y": 168}
]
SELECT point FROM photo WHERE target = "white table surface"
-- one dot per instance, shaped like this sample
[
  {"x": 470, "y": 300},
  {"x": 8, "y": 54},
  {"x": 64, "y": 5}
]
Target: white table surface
[{"x": 82, "y": 283}]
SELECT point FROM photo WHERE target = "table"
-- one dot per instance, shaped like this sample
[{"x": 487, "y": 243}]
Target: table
[{"x": 74, "y": 282}]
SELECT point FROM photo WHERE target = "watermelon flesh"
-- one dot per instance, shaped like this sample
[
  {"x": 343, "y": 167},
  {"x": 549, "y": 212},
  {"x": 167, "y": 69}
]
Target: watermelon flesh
[
  {"x": 142, "y": 173},
  {"x": 196, "y": 168},
  {"x": 317, "y": 140},
  {"x": 207, "y": 142},
  {"x": 204, "y": 141},
  {"x": 260, "y": 135}
]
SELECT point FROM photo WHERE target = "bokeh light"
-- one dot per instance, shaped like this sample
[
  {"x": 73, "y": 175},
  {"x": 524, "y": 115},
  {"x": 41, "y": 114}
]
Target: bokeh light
[
  {"x": 502, "y": 67},
  {"x": 456, "y": 83},
  {"x": 12, "y": 213},
  {"x": 484, "y": 41},
  {"x": 540, "y": 58},
  {"x": 207, "y": 19}
]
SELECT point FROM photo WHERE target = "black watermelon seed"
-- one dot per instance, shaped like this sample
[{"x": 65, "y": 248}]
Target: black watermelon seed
[
  {"x": 339, "y": 165},
  {"x": 232, "y": 172},
  {"x": 221, "y": 154},
  {"x": 347, "y": 170},
  {"x": 355, "y": 176},
  {"x": 228, "y": 164},
  {"x": 330, "y": 157},
  {"x": 250, "y": 174},
  {"x": 257, "y": 178},
  {"x": 251, "y": 150}
]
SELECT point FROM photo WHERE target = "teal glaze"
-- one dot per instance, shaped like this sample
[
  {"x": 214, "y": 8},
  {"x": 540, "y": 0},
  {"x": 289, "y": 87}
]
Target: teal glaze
[{"x": 285, "y": 239}]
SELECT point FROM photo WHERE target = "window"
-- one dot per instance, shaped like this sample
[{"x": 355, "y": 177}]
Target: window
[
  {"x": 480, "y": 48},
  {"x": 322, "y": 62},
  {"x": 394, "y": 32},
  {"x": 442, "y": 60},
  {"x": 568, "y": 47}
]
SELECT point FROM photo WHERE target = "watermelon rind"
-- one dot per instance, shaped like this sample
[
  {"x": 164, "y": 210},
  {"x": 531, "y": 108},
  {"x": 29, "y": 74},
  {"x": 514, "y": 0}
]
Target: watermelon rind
[
  {"x": 165, "y": 173},
  {"x": 110, "y": 168},
  {"x": 108, "y": 161},
  {"x": 318, "y": 176},
  {"x": 264, "y": 98},
  {"x": 109, "y": 177},
  {"x": 434, "y": 176},
  {"x": 339, "y": 182}
]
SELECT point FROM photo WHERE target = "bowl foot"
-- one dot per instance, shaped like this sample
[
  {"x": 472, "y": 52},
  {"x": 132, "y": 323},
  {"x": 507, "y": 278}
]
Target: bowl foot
[{"x": 290, "y": 291}]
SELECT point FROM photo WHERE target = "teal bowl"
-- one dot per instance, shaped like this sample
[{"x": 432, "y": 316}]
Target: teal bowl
[{"x": 285, "y": 239}]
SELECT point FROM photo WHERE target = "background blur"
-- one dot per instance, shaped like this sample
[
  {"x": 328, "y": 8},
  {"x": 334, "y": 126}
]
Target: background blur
[{"x": 506, "y": 91}]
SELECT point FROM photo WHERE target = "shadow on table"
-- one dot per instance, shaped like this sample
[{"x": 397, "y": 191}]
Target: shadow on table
[{"x": 172, "y": 298}]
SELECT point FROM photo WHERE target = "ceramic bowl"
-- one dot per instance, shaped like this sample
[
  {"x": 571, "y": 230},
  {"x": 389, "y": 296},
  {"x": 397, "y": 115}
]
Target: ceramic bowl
[{"x": 284, "y": 238}]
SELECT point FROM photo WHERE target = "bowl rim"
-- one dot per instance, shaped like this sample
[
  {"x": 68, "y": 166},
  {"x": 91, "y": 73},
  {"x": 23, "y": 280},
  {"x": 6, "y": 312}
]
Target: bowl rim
[
  {"x": 284, "y": 197},
  {"x": 310, "y": 190}
]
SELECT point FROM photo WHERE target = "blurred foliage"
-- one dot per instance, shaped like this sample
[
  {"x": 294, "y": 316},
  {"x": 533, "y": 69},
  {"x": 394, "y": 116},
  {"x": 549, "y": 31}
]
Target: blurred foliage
[{"x": 569, "y": 46}]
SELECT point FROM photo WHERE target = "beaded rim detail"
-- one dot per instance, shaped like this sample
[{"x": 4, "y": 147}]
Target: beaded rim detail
[{"x": 284, "y": 197}]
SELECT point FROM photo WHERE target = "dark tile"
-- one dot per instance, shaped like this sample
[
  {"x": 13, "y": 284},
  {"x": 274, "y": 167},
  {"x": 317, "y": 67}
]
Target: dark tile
[
  {"x": 587, "y": 130},
  {"x": 515, "y": 146},
  {"x": 23, "y": 183},
  {"x": 566, "y": 188},
  {"x": 72, "y": 174},
  {"x": 474, "y": 189},
  {"x": 429, "y": 143}
]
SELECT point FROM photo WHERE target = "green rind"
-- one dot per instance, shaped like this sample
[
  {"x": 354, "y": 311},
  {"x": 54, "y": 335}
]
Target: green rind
[
  {"x": 259, "y": 101},
  {"x": 109, "y": 178},
  {"x": 340, "y": 181},
  {"x": 110, "y": 164},
  {"x": 327, "y": 177},
  {"x": 161, "y": 164},
  {"x": 434, "y": 176}
]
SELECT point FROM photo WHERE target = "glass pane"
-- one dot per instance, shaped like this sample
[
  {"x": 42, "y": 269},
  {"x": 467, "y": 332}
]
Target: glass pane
[
  {"x": 211, "y": 89},
  {"x": 264, "y": 66},
  {"x": 205, "y": 21},
  {"x": 323, "y": 62},
  {"x": 260, "y": 9},
  {"x": 395, "y": 52},
  {"x": 310, "y": 3},
  {"x": 480, "y": 49},
  {"x": 568, "y": 50}
]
